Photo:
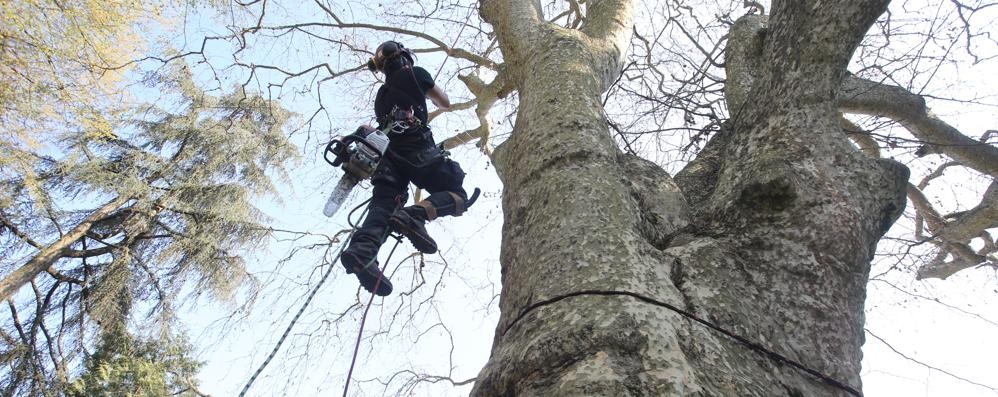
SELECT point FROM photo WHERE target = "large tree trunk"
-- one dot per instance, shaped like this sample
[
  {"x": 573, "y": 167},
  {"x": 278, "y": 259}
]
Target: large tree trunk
[{"x": 768, "y": 234}]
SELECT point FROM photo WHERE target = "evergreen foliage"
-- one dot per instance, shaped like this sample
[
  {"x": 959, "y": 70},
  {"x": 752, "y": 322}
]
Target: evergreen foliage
[
  {"x": 123, "y": 366},
  {"x": 62, "y": 65},
  {"x": 187, "y": 172}
]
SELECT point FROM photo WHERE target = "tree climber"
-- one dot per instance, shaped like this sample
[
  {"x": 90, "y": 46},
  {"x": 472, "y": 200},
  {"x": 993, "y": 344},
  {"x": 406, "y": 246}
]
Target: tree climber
[{"x": 411, "y": 156}]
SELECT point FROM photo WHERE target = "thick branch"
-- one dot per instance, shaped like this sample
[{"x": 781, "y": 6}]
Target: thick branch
[
  {"x": 609, "y": 18},
  {"x": 953, "y": 237},
  {"x": 863, "y": 96},
  {"x": 486, "y": 96},
  {"x": 970, "y": 224},
  {"x": 48, "y": 255},
  {"x": 517, "y": 22},
  {"x": 861, "y": 138},
  {"x": 808, "y": 46},
  {"x": 817, "y": 32},
  {"x": 610, "y": 22},
  {"x": 741, "y": 59}
]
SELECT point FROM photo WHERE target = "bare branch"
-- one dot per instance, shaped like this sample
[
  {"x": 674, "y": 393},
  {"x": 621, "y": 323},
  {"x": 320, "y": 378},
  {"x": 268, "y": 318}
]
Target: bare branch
[
  {"x": 863, "y": 96},
  {"x": 906, "y": 357}
]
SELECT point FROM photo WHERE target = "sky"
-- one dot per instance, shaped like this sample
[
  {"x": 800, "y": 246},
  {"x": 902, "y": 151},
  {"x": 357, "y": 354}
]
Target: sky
[{"x": 445, "y": 326}]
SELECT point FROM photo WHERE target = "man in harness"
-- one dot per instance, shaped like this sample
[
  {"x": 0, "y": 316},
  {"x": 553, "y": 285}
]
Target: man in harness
[{"x": 411, "y": 156}]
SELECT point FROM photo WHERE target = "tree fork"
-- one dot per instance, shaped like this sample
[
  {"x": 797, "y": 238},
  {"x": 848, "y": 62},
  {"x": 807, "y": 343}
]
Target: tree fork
[{"x": 780, "y": 250}]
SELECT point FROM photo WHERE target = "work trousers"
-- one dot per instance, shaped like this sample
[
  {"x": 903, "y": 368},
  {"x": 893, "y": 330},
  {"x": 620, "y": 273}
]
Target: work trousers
[{"x": 428, "y": 169}]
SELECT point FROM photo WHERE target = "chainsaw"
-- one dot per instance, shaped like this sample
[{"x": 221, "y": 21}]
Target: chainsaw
[{"x": 358, "y": 154}]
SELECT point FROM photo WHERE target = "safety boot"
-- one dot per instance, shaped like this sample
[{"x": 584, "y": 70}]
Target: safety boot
[
  {"x": 411, "y": 223},
  {"x": 362, "y": 262}
]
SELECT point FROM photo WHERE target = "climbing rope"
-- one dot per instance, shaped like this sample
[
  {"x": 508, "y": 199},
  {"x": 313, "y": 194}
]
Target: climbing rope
[
  {"x": 363, "y": 319},
  {"x": 301, "y": 310},
  {"x": 828, "y": 380},
  {"x": 311, "y": 295},
  {"x": 451, "y": 48}
]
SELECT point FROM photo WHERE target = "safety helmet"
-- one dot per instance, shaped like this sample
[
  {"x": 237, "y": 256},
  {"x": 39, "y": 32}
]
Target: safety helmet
[{"x": 387, "y": 52}]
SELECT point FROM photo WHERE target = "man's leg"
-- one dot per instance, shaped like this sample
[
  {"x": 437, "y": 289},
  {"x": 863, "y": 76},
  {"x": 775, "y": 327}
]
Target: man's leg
[
  {"x": 361, "y": 257},
  {"x": 447, "y": 197}
]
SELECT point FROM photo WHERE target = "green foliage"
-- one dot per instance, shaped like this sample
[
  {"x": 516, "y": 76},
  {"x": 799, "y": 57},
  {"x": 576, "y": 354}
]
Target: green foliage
[
  {"x": 190, "y": 168},
  {"x": 61, "y": 64},
  {"x": 122, "y": 366},
  {"x": 193, "y": 173},
  {"x": 72, "y": 139}
]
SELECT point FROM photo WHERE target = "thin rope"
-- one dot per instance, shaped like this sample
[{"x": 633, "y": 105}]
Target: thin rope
[
  {"x": 305, "y": 305},
  {"x": 458, "y": 37},
  {"x": 828, "y": 380},
  {"x": 363, "y": 319},
  {"x": 293, "y": 322}
]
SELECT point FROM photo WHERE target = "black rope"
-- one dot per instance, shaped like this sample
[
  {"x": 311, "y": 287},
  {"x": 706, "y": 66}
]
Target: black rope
[
  {"x": 308, "y": 301},
  {"x": 752, "y": 345},
  {"x": 356, "y": 226},
  {"x": 294, "y": 320},
  {"x": 363, "y": 319}
]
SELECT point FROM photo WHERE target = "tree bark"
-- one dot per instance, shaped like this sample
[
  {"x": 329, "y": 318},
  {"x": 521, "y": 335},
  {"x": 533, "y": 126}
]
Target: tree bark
[
  {"x": 862, "y": 96},
  {"x": 768, "y": 234}
]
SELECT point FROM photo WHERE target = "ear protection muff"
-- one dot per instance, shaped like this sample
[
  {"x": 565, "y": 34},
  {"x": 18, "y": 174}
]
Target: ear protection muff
[{"x": 387, "y": 51}]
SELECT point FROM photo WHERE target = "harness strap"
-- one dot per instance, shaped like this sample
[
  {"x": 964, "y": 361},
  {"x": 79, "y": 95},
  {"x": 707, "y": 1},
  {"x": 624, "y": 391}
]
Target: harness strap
[
  {"x": 417, "y": 159},
  {"x": 458, "y": 204},
  {"x": 431, "y": 211}
]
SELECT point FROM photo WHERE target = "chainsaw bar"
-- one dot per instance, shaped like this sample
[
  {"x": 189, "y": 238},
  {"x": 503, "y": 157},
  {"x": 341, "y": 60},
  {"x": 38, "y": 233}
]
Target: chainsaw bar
[{"x": 340, "y": 194}]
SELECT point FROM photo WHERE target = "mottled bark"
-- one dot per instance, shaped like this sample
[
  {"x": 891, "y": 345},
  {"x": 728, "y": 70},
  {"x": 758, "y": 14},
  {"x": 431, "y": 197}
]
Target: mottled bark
[
  {"x": 862, "y": 96},
  {"x": 767, "y": 234}
]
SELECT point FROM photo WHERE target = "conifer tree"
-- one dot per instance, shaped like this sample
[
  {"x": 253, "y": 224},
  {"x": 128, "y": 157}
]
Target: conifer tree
[{"x": 129, "y": 219}]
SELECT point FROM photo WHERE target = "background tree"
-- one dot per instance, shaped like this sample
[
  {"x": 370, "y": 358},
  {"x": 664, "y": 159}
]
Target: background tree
[
  {"x": 58, "y": 70},
  {"x": 161, "y": 204},
  {"x": 121, "y": 366}
]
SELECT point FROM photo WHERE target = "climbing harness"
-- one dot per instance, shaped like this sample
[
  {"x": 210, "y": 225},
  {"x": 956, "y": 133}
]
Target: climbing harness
[
  {"x": 359, "y": 153},
  {"x": 401, "y": 121}
]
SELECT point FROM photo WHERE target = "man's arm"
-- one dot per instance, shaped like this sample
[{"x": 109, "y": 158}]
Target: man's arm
[{"x": 438, "y": 97}]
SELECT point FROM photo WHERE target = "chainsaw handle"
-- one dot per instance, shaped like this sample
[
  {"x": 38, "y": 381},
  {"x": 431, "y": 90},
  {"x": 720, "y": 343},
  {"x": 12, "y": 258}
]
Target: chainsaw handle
[
  {"x": 334, "y": 146},
  {"x": 357, "y": 138},
  {"x": 338, "y": 147}
]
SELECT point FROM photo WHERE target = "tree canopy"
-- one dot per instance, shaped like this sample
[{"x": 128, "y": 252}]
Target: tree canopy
[{"x": 111, "y": 205}]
